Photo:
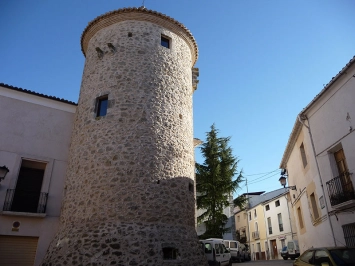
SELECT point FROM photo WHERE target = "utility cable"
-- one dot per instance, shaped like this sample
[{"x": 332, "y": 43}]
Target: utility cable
[
  {"x": 264, "y": 173},
  {"x": 264, "y": 176},
  {"x": 254, "y": 181}
]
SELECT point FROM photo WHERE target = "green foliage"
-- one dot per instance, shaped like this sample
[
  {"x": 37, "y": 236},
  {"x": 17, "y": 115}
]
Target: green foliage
[
  {"x": 216, "y": 180},
  {"x": 240, "y": 202}
]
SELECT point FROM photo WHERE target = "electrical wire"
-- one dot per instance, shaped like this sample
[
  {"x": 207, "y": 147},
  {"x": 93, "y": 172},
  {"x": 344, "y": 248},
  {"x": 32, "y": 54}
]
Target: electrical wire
[
  {"x": 273, "y": 172},
  {"x": 264, "y": 173},
  {"x": 254, "y": 181}
]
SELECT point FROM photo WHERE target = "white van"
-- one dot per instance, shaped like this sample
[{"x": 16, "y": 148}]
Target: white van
[
  {"x": 216, "y": 252},
  {"x": 293, "y": 249},
  {"x": 235, "y": 248}
]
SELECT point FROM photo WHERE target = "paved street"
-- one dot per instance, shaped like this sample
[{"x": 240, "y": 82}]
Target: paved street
[{"x": 265, "y": 262}]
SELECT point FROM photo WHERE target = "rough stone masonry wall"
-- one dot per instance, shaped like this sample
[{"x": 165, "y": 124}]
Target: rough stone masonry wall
[{"x": 129, "y": 187}]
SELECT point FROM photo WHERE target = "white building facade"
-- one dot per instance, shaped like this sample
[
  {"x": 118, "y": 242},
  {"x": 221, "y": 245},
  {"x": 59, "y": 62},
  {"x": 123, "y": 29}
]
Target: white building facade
[
  {"x": 34, "y": 141},
  {"x": 320, "y": 161},
  {"x": 279, "y": 224},
  {"x": 269, "y": 223}
]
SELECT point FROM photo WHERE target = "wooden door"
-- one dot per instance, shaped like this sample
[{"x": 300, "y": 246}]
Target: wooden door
[{"x": 274, "y": 249}]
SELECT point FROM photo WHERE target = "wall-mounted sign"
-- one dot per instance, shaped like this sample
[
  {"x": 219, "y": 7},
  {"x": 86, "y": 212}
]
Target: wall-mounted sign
[{"x": 321, "y": 202}]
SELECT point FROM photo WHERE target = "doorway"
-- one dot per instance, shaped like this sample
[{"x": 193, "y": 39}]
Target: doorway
[
  {"x": 274, "y": 253},
  {"x": 28, "y": 187}
]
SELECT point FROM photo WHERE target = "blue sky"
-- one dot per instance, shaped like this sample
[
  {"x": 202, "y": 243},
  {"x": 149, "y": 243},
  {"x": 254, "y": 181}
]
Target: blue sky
[{"x": 261, "y": 62}]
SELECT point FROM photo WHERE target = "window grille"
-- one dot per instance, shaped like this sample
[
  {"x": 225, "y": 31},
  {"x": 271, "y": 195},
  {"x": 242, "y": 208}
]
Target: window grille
[{"x": 349, "y": 234}]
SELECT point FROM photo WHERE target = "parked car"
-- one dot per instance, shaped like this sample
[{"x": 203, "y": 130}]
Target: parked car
[
  {"x": 284, "y": 253},
  {"x": 236, "y": 250},
  {"x": 332, "y": 256},
  {"x": 216, "y": 252},
  {"x": 293, "y": 249}
]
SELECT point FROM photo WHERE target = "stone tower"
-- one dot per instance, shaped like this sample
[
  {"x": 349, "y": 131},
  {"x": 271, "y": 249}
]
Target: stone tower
[{"x": 129, "y": 194}]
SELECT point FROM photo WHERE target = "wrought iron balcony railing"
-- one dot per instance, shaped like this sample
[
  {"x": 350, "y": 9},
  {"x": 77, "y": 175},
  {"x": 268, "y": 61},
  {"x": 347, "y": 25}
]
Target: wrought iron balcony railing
[
  {"x": 255, "y": 235},
  {"x": 340, "y": 189},
  {"x": 25, "y": 201}
]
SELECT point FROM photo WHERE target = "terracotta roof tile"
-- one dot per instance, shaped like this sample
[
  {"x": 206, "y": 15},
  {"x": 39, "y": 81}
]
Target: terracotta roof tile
[
  {"x": 326, "y": 87},
  {"x": 37, "y": 94}
]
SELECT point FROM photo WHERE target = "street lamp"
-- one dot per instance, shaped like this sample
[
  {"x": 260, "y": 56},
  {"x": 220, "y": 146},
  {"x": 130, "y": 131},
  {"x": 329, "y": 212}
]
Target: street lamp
[
  {"x": 283, "y": 183},
  {"x": 3, "y": 172}
]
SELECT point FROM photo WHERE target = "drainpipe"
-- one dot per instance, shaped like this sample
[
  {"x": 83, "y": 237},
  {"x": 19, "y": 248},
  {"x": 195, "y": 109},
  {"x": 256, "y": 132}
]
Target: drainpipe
[
  {"x": 267, "y": 239},
  {"x": 301, "y": 118},
  {"x": 288, "y": 211}
]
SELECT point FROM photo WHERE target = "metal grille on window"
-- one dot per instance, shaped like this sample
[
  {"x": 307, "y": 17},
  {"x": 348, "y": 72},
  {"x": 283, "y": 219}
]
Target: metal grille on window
[{"x": 349, "y": 234}]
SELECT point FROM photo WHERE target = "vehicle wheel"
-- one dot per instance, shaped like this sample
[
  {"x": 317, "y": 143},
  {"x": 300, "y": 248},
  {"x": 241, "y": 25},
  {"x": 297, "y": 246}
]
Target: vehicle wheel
[
  {"x": 230, "y": 262},
  {"x": 285, "y": 258}
]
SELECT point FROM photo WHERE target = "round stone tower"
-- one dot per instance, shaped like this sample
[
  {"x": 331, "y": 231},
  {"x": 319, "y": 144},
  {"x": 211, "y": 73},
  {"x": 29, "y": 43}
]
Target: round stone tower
[{"x": 129, "y": 193}]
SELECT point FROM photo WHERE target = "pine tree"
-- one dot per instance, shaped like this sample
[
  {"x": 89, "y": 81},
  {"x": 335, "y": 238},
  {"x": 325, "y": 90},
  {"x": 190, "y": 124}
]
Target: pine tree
[
  {"x": 241, "y": 202},
  {"x": 216, "y": 179}
]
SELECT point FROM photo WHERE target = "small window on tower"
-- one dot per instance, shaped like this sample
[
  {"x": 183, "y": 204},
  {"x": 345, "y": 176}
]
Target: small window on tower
[
  {"x": 170, "y": 253},
  {"x": 165, "y": 41},
  {"x": 191, "y": 187},
  {"x": 101, "y": 106}
]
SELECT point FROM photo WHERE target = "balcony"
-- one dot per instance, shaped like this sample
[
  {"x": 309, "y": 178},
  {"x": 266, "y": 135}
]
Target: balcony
[
  {"x": 242, "y": 238},
  {"x": 21, "y": 201},
  {"x": 341, "y": 190},
  {"x": 255, "y": 235}
]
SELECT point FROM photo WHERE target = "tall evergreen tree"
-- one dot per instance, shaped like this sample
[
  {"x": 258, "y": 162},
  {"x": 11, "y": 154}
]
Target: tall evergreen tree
[
  {"x": 216, "y": 179},
  {"x": 241, "y": 202}
]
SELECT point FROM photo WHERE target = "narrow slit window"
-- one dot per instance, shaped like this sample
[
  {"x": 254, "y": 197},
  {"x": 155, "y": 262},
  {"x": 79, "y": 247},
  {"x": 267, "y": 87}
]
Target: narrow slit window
[
  {"x": 300, "y": 218},
  {"x": 191, "y": 187},
  {"x": 165, "y": 41},
  {"x": 303, "y": 155},
  {"x": 102, "y": 104}
]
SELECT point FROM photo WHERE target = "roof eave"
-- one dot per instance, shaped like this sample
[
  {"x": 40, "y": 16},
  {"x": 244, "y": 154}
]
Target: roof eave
[
  {"x": 298, "y": 126},
  {"x": 109, "y": 16},
  {"x": 330, "y": 83},
  {"x": 37, "y": 94}
]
